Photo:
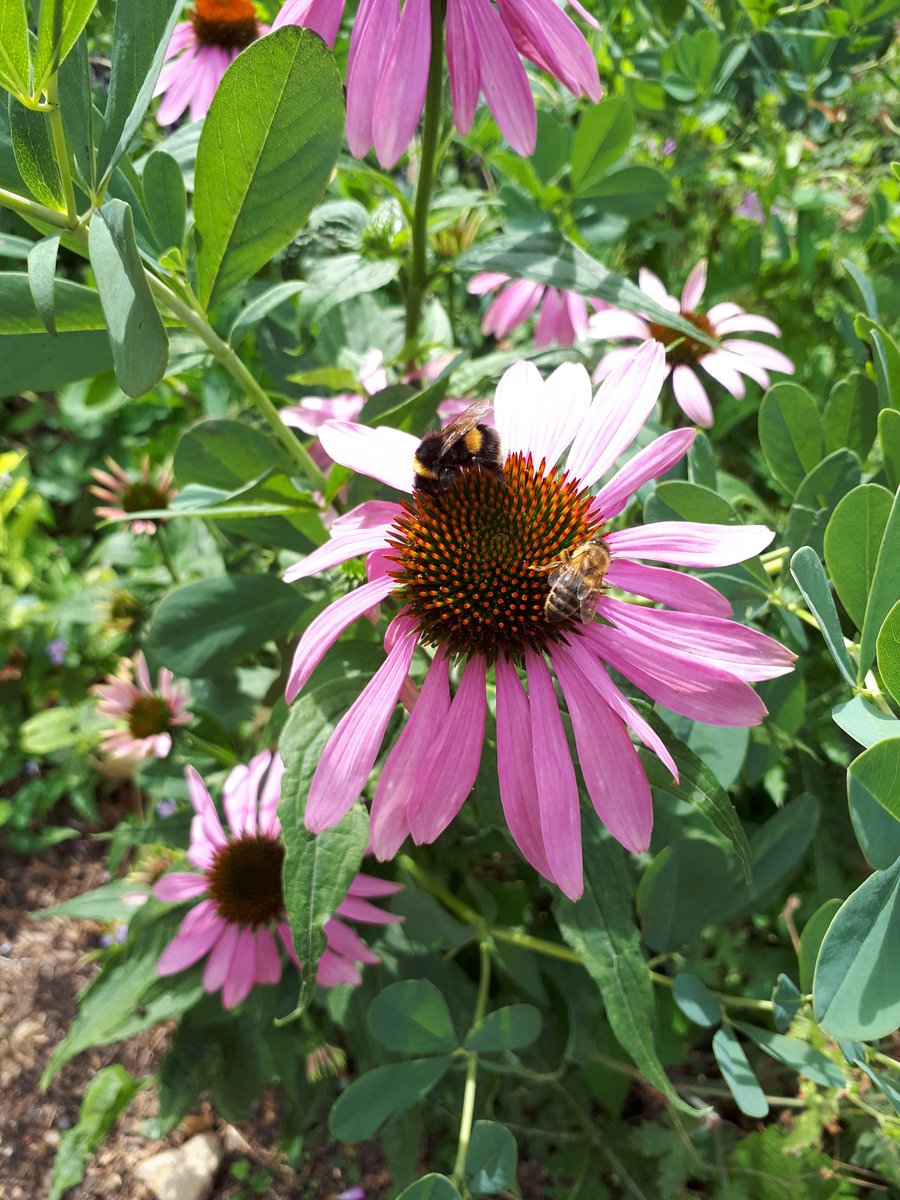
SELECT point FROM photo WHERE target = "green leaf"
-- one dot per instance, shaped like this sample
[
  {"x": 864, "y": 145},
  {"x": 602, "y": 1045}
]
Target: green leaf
[
  {"x": 268, "y": 146},
  {"x": 790, "y": 433},
  {"x": 852, "y": 543},
  {"x": 59, "y": 26},
  {"x": 106, "y": 903},
  {"x": 106, "y": 1097},
  {"x": 51, "y": 729},
  {"x": 850, "y": 418},
  {"x": 492, "y": 1160},
  {"x": 888, "y": 647},
  {"x": 163, "y": 187},
  {"x": 430, "y": 1187},
  {"x": 777, "y": 850},
  {"x": 809, "y": 574},
  {"x": 677, "y": 499},
  {"x": 508, "y": 1028},
  {"x": 818, "y": 496},
  {"x": 864, "y": 722},
  {"x": 601, "y": 139},
  {"x": 738, "y": 1074},
  {"x": 550, "y": 259},
  {"x": 383, "y": 1094},
  {"x": 261, "y": 306},
  {"x": 139, "y": 341},
  {"x": 632, "y": 191},
  {"x": 800, "y": 1056},
  {"x": 139, "y": 41},
  {"x": 889, "y": 440},
  {"x": 874, "y": 777},
  {"x": 681, "y": 892},
  {"x": 855, "y": 991},
  {"x": 696, "y": 1001},
  {"x": 42, "y": 278},
  {"x": 201, "y": 627},
  {"x": 412, "y": 1017},
  {"x": 786, "y": 1000},
  {"x": 32, "y": 144},
  {"x": 885, "y": 586},
  {"x": 884, "y": 1085},
  {"x": 338, "y": 278},
  {"x": 15, "y": 60},
  {"x": 601, "y": 929}
]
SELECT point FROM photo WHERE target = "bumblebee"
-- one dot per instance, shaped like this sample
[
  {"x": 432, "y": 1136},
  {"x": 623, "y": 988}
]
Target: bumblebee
[
  {"x": 576, "y": 581},
  {"x": 443, "y": 455}
]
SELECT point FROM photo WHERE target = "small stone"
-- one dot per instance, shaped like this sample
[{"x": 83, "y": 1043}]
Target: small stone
[{"x": 186, "y": 1173}]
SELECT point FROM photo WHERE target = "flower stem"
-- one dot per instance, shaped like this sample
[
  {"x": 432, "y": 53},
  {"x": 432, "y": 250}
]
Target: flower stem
[
  {"x": 729, "y": 1001},
  {"x": 538, "y": 945},
  {"x": 449, "y": 901},
  {"x": 31, "y": 210},
  {"x": 61, "y": 149},
  {"x": 468, "y": 1106},
  {"x": 425, "y": 181},
  {"x": 164, "y": 549}
]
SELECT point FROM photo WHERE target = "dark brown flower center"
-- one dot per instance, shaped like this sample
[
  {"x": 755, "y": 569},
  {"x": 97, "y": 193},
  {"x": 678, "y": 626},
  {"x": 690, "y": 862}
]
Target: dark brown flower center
[
  {"x": 228, "y": 23},
  {"x": 681, "y": 349},
  {"x": 141, "y": 496},
  {"x": 466, "y": 559},
  {"x": 245, "y": 881},
  {"x": 149, "y": 715}
]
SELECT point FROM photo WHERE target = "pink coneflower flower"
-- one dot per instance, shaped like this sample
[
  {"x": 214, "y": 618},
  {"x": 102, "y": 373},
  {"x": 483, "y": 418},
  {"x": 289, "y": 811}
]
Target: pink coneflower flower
[
  {"x": 387, "y": 70},
  {"x": 200, "y": 51},
  {"x": 148, "y": 714},
  {"x": 469, "y": 569},
  {"x": 313, "y": 411},
  {"x": 126, "y": 495},
  {"x": 563, "y": 315},
  {"x": 735, "y": 356},
  {"x": 239, "y": 888}
]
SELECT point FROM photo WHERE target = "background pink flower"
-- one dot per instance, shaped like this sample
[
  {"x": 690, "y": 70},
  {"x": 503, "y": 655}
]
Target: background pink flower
[
  {"x": 562, "y": 320},
  {"x": 310, "y": 413},
  {"x": 124, "y": 495},
  {"x": 241, "y": 905},
  {"x": 147, "y": 714}
]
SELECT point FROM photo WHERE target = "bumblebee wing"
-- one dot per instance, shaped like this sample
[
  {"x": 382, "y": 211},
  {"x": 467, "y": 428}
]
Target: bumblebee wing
[{"x": 463, "y": 423}]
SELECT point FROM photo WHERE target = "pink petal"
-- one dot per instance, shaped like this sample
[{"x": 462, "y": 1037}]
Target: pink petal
[
  {"x": 322, "y": 16},
  {"x": 341, "y": 546},
  {"x": 485, "y": 281},
  {"x": 552, "y": 327},
  {"x": 400, "y": 97},
  {"x": 545, "y": 35},
  {"x": 374, "y": 28},
  {"x": 313, "y": 411},
  {"x": 611, "y": 360},
  {"x": 651, "y": 285},
  {"x": 691, "y": 396},
  {"x": 512, "y": 307},
  {"x": 179, "y": 92},
  {"x": 465, "y": 84},
  {"x": 576, "y": 309},
  {"x": 334, "y": 969},
  {"x": 372, "y": 887},
  {"x": 240, "y": 792},
  {"x": 268, "y": 960},
  {"x": 684, "y": 592},
  {"x": 691, "y": 544},
  {"x": 695, "y": 286},
  {"x": 519, "y": 396},
  {"x": 515, "y": 767},
  {"x": 180, "y": 885},
  {"x": 354, "y": 909},
  {"x": 651, "y": 462},
  {"x": 350, "y": 754},
  {"x": 739, "y": 363},
  {"x": 503, "y": 79},
  {"x": 267, "y": 822},
  {"x": 721, "y": 370},
  {"x": 218, "y": 965},
  {"x": 142, "y": 674},
  {"x": 342, "y": 940},
  {"x": 205, "y": 809},
  {"x": 382, "y": 453},
  {"x": 760, "y": 355},
  {"x": 742, "y": 322},
  {"x": 238, "y": 983},
  {"x": 199, "y": 932},
  {"x": 613, "y": 323},
  {"x": 559, "y": 412},
  {"x": 555, "y": 778}
]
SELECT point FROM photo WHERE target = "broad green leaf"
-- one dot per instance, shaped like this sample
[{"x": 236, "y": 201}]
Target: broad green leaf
[
  {"x": 809, "y": 574},
  {"x": 51, "y": 729},
  {"x": 268, "y": 146},
  {"x": 885, "y": 360},
  {"x": 42, "y": 278},
  {"x": 340, "y": 277},
  {"x": 888, "y": 647},
  {"x": 885, "y": 587},
  {"x": 106, "y": 1097},
  {"x": 601, "y": 139},
  {"x": 202, "y": 627},
  {"x": 818, "y": 496},
  {"x": 59, "y": 26},
  {"x": 15, "y": 60},
  {"x": 800, "y": 1056},
  {"x": 864, "y": 722},
  {"x": 508, "y": 1028},
  {"x": 140, "y": 37},
  {"x": 855, "y": 992},
  {"x": 786, "y": 1001},
  {"x": 430, "y": 1187},
  {"x": 874, "y": 777},
  {"x": 549, "y": 259},
  {"x": 32, "y": 144},
  {"x": 850, "y": 418},
  {"x": 696, "y": 1001},
  {"x": 380, "y": 1095},
  {"x": 738, "y": 1074},
  {"x": 139, "y": 341},
  {"x": 113, "y": 901},
  {"x": 78, "y": 113},
  {"x": 412, "y": 1017},
  {"x": 679, "y": 500},
  {"x": 601, "y": 929},
  {"x": 261, "y": 306},
  {"x": 889, "y": 440},
  {"x": 777, "y": 850},
  {"x": 790, "y": 433},
  {"x": 863, "y": 286},
  {"x": 492, "y": 1159},
  {"x": 852, "y": 543},
  {"x": 165, "y": 200},
  {"x": 631, "y": 191},
  {"x": 681, "y": 892}
]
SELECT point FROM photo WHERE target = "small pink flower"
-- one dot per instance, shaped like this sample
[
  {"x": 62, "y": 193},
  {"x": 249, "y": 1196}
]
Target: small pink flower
[
  {"x": 563, "y": 317},
  {"x": 147, "y": 714},
  {"x": 125, "y": 495},
  {"x": 735, "y": 356},
  {"x": 468, "y": 568},
  {"x": 241, "y": 904},
  {"x": 200, "y": 51}
]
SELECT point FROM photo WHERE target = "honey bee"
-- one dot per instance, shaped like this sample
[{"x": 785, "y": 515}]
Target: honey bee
[
  {"x": 443, "y": 455},
  {"x": 576, "y": 581}
]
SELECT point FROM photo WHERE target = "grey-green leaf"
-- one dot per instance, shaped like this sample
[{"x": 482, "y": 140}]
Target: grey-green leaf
[
  {"x": 885, "y": 587},
  {"x": 790, "y": 433},
  {"x": 807, "y": 569},
  {"x": 888, "y": 647},
  {"x": 42, "y": 278},
  {"x": 800, "y": 1056},
  {"x": 508, "y": 1028},
  {"x": 492, "y": 1159},
  {"x": 696, "y": 1001},
  {"x": 738, "y": 1074},
  {"x": 852, "y": 545},
  {"x": 412, "y": 1017},
  {"x": 164, "y": 197},
  {"x": 380, "y": 1095}
]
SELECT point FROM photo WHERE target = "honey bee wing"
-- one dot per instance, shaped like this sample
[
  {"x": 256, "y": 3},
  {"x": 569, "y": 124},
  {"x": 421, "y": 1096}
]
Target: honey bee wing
[
  {"x": 588, "y": 599},
  {"x": 466, "y": 421},
  {"x": 563, "y": 572}
]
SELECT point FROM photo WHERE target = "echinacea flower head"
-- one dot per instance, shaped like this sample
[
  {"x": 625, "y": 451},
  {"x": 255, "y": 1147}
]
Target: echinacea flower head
[
  {"x": 734, "y": 357},
  {"x": 469, "y": 568},
  {"x": 145, "y": 715},
  {"x": 240, "y": 903},
  {"x": 200, "y": 51},
  {"x": 123, "y": 495},
  {"x": 562, "y": 319}
]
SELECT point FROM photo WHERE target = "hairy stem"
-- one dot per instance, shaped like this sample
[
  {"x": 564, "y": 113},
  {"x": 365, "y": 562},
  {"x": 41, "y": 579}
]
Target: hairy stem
[{"x": 468, "y": 1106}]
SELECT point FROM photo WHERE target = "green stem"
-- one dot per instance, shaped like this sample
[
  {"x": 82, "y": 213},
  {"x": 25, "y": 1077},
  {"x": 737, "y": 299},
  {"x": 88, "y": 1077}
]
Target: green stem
[
  {"x": 468, "y": 1106},
  {"x": 449, "y": 901},
  {"x": 61, "y": 149},
  {"x": 728, "y": 1001},
  {"x": 538, "y": 945},
  {"x": 163, "y": 542},
  {"x": 31, "y": 210},
  {"x": 425, "y": 181}
]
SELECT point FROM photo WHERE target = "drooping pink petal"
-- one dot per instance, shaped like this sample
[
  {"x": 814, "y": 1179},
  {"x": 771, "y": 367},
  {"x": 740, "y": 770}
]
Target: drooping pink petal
[
  {"x": 552, "y": 327},
  {"x": 350, "y": 754},
  {"x": 179, "y": 92},
  {"x": 373, "y": 887},
  {"x": 613, "y": 323},
  {"x": 180, "y": 885},
  {"x": 334, "y": 969},
  {"x": 199, "y": 932},
  {"x": 341, "y": 546},
  {"x": 722, "y": 371},
  {"x": 503, "y": 79},
  {"x": 484, "y": 281},
  {"x": 382, "y": 453},
  {"x": 465, "y": 83},
  {"x": 342, "y": 940},
  {"x": 515, "y": 767},
  {"x": 760, "y": 355},
  {"x": 690, "y": 543},
  {"x": 554, "y": 774},
  {"x": 684, "y": 592},
  {"x": 545, "y": 35},
  {"x": 322, "y": 16},
  {"x": 691, "y": 395},
  {"x": 654, "y": 460},
  {"x": 695, "y": 286},
  {"x": 742, "y": 322},
  {"x": 577, "y": 313},
  {"x": 353, "y": 908},
  {"x": 204, "y": 808},
  {"x": 374, "y": 29},
  {"x": 238, "y": 982},
  {"x": 511, "y": 307},
  {"x": 400, "y": 97},
  {"x": 313, "y": 411},
  {"x": 268, "y": 961},
  {"x": 612, "y": 771},
  {"x": 267, "y": 823},
  {"x": 218, "y": 964}
]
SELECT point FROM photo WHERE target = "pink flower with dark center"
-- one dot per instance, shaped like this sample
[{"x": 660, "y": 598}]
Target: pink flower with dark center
[
  {"x": 734, "y": 357},
  {"x": 241, "y": 904},
  {"x": 469, "y": 567},
  {"x": 200, "y": 51},
  {"x": 387, "y": 69},
  {"x": 147, "y": 714},
  {"x": 124, "y": 495},
  {"x": 563, "y": 317}
]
